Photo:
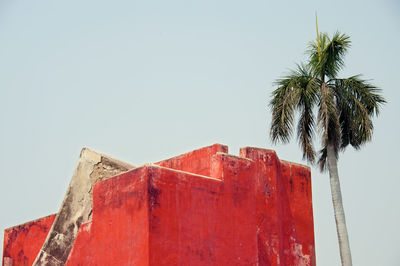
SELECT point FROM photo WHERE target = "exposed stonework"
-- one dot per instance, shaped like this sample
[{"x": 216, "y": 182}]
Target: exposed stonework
[{"x": 77, "y": 205}]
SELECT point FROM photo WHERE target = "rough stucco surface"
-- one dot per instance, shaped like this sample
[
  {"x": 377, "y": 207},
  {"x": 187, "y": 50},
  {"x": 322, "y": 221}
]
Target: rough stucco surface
[
  {"x": 251, "y": 209},
  {"x": 23, "y": 242},
  {"x": 205, "y": 207},
  {"x": 77, "y": 205}
]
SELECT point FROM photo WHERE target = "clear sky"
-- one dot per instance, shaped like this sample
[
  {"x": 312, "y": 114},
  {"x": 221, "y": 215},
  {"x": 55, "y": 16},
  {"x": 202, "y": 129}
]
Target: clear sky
[{"x": 147, "y": 80}]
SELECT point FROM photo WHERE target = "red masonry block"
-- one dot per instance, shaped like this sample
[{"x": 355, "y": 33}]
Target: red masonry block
[
  {"x": 205, "y": 207},
  {"x": 23, "y": 242}
]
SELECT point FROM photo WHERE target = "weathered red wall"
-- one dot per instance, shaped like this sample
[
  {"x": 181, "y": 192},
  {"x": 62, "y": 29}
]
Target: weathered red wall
[
  {"x": 284, "y": 210},
  {"x": 118, "y": 233},
  {"x": 23, "y": 242},
  {"x": 205, "y": 207},
  {"x": 195, "y": 162}
]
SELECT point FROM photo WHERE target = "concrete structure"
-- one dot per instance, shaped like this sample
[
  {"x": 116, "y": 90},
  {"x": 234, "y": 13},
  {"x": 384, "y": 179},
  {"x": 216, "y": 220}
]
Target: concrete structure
[
  {"x": 76, "y": 208},
  {"x": 205, "y": 207}
]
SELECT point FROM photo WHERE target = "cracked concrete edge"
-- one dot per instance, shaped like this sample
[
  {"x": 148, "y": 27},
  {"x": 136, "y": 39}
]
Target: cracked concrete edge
[{"x": 77, "y": 205}]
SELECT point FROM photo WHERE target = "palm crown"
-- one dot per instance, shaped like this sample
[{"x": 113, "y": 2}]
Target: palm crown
[{"x": 344, "y": 106}]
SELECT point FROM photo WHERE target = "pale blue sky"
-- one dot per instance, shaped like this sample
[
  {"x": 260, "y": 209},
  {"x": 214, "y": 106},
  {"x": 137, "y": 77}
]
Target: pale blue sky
[{"x": 147, "y": 80}]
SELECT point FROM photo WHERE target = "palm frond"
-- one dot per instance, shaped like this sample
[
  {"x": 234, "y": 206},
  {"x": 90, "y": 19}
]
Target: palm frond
[
  {"x": 328, "y": 121},
  {"x": 334, "y": 54},
  {"x": 307, "y": 100},
  {"x": 305, "y": 133},
  {"x": 323, "y": 154},
  {"x": 283, "y": 104},
  {"x": 327, "y": 55},
  {"x": 298, "y": 90},
  {"x": 358, "y": 101},
  {"x": 315, "y": 52},
  {"x": 365, "y": 92}
]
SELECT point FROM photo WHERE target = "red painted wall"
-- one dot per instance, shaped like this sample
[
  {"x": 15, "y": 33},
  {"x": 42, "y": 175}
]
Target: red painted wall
[
  {"x": 23, "y": 242},
  {"x": 205, "y": 207},
  {"x": 195, "y": 162},
  {"x": 284, "y": 210}
]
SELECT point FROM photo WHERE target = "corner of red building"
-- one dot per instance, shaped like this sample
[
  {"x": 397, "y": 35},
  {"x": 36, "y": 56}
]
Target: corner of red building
[{"x": 204, "y": 207}]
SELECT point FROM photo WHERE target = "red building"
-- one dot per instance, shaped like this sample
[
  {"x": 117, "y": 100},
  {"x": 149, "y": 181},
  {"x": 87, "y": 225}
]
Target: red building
[{"x": 205, "y": 207}]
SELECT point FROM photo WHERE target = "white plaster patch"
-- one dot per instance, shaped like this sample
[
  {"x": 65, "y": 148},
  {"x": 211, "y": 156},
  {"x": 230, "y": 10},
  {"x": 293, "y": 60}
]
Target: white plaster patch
[{"x": 299, "y": 258}]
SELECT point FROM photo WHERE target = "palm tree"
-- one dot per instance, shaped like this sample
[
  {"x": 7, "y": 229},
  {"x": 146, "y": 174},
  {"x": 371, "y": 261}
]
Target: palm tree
[{"x": 344, "y": 110}]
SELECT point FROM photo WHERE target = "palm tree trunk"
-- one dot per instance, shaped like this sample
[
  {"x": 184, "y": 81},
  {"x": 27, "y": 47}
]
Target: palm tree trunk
[{"x": 344, "y": 246}]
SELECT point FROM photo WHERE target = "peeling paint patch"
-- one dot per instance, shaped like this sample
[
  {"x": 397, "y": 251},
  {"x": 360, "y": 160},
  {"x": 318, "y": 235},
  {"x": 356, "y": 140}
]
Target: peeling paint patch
[{"x": 300, "y": 259}]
